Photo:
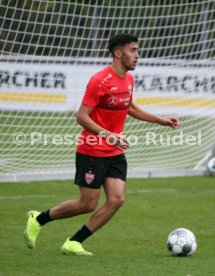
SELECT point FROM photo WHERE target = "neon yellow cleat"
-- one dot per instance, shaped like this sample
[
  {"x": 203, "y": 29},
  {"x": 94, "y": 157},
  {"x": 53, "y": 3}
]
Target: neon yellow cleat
[
  {"x": 32, "y": 229},
  {"x": 75, "y": 248}
]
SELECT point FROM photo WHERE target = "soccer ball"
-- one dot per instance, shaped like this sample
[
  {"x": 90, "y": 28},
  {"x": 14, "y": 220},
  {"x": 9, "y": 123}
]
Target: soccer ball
[
  {"x": 211, "y": 166},
  {"x": 181, "y": 242}
]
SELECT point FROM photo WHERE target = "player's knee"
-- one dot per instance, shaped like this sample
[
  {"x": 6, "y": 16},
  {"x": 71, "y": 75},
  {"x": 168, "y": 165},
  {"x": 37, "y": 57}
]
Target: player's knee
[
  {"x": 120, "y": 201},
  {"x": 116, "y": 202}
]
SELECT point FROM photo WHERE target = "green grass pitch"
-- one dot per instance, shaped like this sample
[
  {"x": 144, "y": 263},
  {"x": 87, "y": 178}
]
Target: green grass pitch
[{"x": 132, "y": 243}]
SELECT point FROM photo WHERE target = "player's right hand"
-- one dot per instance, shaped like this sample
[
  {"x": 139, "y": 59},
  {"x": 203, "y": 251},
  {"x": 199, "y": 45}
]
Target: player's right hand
[{"x": 119, "y": 140}]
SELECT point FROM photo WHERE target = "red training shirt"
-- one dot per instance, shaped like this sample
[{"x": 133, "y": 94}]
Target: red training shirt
[{"x": 109, "y": 95}]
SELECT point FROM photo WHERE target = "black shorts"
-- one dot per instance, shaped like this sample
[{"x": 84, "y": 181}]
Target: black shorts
[{"x": 91, "y": 171}]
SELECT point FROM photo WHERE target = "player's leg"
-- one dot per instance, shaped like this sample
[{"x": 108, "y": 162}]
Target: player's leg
[
  {"x": 90, "y": 175},
  {"x": 114, "y": 191},
  {"x": 114, "y": 187},
  {"x": 87, "y": 202},
  {"x": 114, "y": 173},
  {"x": 89, "y": 196}
]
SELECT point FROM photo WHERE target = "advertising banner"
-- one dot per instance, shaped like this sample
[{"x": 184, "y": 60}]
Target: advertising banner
[
  {"x": 58, "y": 87},
  {"x": 186, "y": 91}
]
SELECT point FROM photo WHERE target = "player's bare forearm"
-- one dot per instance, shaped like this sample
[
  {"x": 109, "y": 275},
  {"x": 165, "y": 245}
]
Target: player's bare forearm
[
  {"x": 83, "y": 118},
  {"x": 137, "y": 113}
]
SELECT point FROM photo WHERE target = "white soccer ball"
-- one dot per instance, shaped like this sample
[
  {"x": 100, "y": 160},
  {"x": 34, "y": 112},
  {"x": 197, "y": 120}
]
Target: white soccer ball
[
  {"x": 211, "y": 166},
  {"x": 181, "y": 242}
]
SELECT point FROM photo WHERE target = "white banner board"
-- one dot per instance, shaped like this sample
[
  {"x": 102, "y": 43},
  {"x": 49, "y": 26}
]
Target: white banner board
[
  {"x": 48, "y": 87},
  {"x": 42, "y": 87},
  {"x": 184, "y": 91}
]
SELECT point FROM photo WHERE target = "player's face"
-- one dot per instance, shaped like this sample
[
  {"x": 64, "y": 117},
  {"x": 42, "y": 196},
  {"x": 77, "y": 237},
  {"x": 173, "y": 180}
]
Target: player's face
[{"x": 129, "y": 56}]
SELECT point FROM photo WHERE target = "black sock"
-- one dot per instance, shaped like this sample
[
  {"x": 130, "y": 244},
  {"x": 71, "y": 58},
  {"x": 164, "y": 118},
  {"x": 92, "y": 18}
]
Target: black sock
[
  {"x": 82, "y": 234},
  {"x": 44, "y": 218}
]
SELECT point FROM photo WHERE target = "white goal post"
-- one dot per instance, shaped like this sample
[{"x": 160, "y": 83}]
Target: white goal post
[{"x": 50, "y": 49}]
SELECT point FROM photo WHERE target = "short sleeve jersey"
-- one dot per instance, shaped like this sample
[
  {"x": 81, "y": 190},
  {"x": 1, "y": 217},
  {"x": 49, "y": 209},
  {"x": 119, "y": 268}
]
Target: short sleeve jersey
[{"x": 109, "y": 95}]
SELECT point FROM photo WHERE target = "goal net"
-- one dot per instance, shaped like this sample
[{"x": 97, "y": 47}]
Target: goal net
[{"x": 50, "y": 49}]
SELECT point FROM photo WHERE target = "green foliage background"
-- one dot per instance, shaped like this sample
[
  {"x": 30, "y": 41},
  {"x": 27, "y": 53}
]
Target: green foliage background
[{"x": 67, "y": 28}]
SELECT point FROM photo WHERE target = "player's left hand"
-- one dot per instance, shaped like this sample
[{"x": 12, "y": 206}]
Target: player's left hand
[{"x": 171, "y": 121}]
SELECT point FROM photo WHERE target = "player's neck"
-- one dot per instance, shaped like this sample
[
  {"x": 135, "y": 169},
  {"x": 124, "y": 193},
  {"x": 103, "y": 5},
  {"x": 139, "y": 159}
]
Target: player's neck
[{"x": 118, "y": 69}]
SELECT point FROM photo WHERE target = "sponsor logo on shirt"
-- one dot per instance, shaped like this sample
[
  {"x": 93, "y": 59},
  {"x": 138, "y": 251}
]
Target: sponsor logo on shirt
[
  {"x": 112, "y": 101},
  {"x": 124, "y": 100}
]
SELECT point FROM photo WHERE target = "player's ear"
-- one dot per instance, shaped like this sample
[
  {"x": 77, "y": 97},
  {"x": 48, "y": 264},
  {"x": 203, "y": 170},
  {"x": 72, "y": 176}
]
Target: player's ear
[{"x": 118, "y": 53}]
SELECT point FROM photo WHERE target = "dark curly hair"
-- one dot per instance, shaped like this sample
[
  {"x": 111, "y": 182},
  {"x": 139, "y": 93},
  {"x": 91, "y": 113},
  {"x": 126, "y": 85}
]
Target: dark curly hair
[{"x": 120, "y": 40}]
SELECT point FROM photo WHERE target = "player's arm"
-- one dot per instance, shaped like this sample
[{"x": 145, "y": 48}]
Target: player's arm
[
  {"x": 137, "y": 113},
  {"x": 84, "y": 119}
]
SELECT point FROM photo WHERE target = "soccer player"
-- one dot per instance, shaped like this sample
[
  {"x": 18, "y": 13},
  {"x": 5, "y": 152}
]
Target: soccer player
[{"x": 100, "y": 159}]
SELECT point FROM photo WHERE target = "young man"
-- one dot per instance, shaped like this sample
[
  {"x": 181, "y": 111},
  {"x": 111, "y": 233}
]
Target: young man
[{"x": 100, "y": 161}]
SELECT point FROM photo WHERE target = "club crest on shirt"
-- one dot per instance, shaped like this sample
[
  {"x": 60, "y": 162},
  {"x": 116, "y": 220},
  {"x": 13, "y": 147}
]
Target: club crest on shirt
[
  {"x": 130, "y": 88},
  {"x": 112, "y": 101},
  {"x": 89, "y": 177}
]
